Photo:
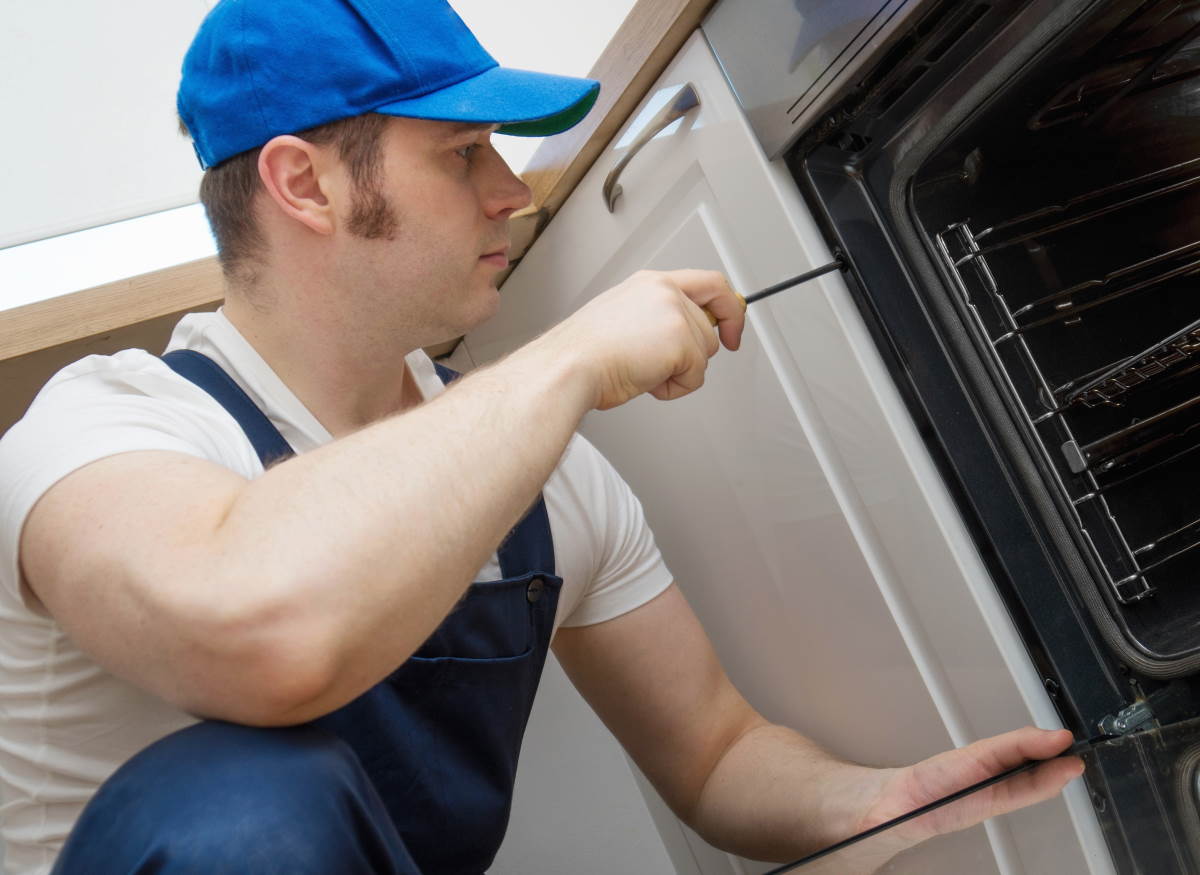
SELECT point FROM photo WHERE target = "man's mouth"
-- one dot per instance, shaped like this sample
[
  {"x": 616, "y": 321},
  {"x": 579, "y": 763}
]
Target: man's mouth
[{"x": 497, "y": 257}]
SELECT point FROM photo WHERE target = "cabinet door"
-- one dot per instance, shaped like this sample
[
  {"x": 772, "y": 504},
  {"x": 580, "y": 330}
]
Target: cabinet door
[{"x": 789, "y": 509}]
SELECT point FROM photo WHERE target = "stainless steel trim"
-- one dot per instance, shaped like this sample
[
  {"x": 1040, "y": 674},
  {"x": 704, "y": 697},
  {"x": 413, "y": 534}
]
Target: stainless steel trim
[
  {"x": 677, "y": 107},
  {"x": 788, "y": 61}
]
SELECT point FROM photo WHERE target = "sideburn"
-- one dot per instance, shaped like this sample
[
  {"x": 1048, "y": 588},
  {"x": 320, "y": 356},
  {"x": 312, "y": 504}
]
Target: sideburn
[{"x": 371, "y": 216}]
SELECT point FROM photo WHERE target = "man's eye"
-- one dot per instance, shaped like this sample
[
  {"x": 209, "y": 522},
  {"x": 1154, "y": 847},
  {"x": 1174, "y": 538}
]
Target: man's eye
[{"x": 467, "y": 151}]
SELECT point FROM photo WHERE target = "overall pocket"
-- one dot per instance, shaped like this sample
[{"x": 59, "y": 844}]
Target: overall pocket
[{"x": 494, "y": 623}]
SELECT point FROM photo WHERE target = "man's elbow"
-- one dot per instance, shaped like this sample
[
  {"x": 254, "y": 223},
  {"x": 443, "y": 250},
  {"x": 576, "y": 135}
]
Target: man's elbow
[
  {"x": 261, "y": 667},
  {"x": 272, "y": 693}
]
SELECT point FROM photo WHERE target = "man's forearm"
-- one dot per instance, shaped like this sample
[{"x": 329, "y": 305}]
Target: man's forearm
[
  {"x": 361, "y": 547},
  {"x": 775, "y": 795}
]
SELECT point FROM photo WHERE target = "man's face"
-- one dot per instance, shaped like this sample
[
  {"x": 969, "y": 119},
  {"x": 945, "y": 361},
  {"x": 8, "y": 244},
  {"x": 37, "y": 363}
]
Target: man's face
[{"x": 420, "y": 254}]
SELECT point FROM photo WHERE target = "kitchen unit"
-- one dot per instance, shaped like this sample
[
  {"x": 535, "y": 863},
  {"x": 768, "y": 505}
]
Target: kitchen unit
[{"x": 945, "y": 493}]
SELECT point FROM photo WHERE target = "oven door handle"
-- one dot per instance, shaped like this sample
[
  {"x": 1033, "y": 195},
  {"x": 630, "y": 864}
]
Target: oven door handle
[{"x": 679, "y": 104}]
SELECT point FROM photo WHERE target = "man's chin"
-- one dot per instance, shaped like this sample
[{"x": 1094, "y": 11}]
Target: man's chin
[
  {"x": 486, "y": 308},
  {"x": 492, "y": 307}
]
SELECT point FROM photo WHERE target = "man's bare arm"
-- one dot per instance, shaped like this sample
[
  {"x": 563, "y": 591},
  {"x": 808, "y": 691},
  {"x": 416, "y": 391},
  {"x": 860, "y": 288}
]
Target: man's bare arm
[
  {"x": 278, "y": 600},
  {"x": 764, "y": 791}
]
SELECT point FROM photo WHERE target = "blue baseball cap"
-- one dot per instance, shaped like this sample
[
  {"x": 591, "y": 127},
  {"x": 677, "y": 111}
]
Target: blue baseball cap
[{"x": 261, "y": 68}]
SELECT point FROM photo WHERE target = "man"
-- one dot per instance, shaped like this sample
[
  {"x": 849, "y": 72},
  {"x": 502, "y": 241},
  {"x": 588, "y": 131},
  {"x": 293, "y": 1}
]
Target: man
[{"x": 276, "y": 526}]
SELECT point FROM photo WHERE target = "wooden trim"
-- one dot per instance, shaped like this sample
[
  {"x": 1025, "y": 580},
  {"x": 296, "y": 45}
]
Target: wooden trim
[{"x": 190, "y": 286}]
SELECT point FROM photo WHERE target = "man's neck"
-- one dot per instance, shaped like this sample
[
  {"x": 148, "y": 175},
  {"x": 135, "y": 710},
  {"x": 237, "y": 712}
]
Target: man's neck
[{"x": 341, "y": 381}]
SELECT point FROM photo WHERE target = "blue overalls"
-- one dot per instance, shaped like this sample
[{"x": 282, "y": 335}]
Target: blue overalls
[{"x": 414, "y": 776}]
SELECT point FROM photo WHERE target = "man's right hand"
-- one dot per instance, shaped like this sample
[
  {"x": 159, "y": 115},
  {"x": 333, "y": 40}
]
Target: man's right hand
[{"x": 649, "y": 334}]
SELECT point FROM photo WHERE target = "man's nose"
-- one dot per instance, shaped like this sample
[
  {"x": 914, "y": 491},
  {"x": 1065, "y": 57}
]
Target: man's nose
[{"x": 504, "y": 192}]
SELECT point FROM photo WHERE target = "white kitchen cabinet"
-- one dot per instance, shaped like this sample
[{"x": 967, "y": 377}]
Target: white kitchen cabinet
[{"x": 791, "y": 496}]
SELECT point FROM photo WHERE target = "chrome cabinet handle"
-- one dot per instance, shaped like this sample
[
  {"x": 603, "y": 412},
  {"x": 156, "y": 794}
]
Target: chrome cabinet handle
[{"x": 683, "y": 100}]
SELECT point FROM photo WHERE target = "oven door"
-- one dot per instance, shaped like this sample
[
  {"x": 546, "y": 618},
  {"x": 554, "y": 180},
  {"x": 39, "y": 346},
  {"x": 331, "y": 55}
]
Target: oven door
[{"x": 1017, "y": 191}]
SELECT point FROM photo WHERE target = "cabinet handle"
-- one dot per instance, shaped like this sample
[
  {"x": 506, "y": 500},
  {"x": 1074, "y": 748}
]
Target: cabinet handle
[{"x": 683, "y": 100}]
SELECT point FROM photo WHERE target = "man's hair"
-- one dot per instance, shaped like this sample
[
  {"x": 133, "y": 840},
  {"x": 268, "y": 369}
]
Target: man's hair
[{"x": 228, "y": 190}]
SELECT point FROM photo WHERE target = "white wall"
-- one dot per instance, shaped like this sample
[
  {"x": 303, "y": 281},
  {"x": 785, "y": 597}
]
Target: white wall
[
  {"x": 549, "y": 35},
  {"x": 598, "y": 826},
  {"x": 88, "y": 90}
]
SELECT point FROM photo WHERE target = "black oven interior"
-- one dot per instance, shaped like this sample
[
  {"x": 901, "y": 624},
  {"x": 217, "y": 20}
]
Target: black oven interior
[
  {"x": 1067, "y": 216},
  {"x": 1050, "y": 214},
  {"x": 1016, "y": 184}
]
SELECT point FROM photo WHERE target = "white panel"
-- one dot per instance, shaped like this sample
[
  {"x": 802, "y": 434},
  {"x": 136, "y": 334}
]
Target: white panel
[
  {"x": 82, "y": 259},
  {"x": 88, "y": 91},
  {"x": 576, "y": 808},
  {"x": 792, "y": 496}
]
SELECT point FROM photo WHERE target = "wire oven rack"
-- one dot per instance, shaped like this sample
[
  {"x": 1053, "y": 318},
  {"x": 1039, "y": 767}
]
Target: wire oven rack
[{"x": 1085, "y": 472}]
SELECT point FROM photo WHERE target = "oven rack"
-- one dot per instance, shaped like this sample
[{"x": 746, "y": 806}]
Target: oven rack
[
  {"x": 1109, "y": 385},
  {"x": 1087, "y": 207},
  {"x": 1170, "y": 355},
  {"x": 1124, "y": 567},
  {"x": 1073, "y": 301}
]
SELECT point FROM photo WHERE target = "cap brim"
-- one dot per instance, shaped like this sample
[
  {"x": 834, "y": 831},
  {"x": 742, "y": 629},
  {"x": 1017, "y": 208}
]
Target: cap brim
[{"x": 522, "y": 102}]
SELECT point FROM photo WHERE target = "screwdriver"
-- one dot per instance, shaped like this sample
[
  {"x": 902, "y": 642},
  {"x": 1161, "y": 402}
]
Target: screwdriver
[{"x": 836, "y": 264}]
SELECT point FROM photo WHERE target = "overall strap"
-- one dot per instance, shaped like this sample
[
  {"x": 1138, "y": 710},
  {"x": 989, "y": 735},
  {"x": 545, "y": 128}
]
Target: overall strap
[
  {"x": 530, "y": 545},
  {"x": 209, "y": 376},
  {"x": 447, "y": 376}
]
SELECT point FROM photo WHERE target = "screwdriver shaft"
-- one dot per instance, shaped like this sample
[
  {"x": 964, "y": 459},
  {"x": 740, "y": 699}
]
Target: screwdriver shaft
[{"x": 836, "y": 264}]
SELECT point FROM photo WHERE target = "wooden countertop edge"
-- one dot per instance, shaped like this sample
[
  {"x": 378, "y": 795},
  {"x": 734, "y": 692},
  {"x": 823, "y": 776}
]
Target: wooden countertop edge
[
  {"x": 643, "y": 45},
  {"x": 108, "y": 307}
]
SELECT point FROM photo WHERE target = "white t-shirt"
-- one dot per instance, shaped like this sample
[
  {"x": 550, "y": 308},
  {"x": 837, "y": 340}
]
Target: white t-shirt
[{"x": 65, "y": 723}]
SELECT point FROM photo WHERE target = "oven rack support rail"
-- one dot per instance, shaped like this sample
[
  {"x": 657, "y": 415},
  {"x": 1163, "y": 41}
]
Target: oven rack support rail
[{"x": 1124, "y": 567}]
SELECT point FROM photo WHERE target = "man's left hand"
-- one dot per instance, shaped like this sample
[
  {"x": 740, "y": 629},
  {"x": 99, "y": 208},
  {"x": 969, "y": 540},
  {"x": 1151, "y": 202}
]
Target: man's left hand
[{"x": 906, "y": 789}]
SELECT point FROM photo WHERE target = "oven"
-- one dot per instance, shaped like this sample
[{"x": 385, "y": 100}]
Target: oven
[{"x": 1015, "y": 187}]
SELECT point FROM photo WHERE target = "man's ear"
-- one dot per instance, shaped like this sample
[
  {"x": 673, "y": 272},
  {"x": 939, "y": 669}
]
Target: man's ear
[{"x": 298, "y": 177}]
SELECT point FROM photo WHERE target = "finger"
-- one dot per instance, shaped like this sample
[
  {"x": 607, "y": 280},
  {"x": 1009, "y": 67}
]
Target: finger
[
  {"x": 678, "y": 386},
  {"x": 698, "y": 349},
  {"x": 704, "y": 347},
  {"x": 701, "y": 329},
  {"x": 955, "y": 769},
  {"x": 1011, "y": 749},
  {"x": 941, "y": 775},
  {"x": 690, "y": 376},
  {"x": 710, "y": 290},
  {"x": 1044, "y": 782}
]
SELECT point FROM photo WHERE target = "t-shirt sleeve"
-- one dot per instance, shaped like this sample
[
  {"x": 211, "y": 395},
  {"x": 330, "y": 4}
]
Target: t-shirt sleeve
[
  {"x": 628, "y": 569},
  {"x": 89, "y": 412}
]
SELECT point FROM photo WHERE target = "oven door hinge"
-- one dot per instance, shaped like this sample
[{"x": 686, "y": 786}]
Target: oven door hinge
[{"x": 1136, "y": 716}]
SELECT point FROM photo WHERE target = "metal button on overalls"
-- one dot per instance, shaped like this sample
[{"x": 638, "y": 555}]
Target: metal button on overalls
[{"x": 535, "y": 590}]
